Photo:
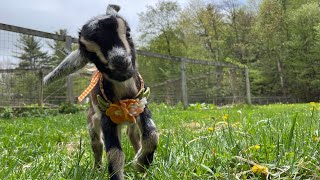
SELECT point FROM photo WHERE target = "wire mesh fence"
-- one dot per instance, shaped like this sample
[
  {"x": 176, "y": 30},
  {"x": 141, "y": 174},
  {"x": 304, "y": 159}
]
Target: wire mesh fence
[
  {"x": 175, "y": 79},
  {"x": 172, "y": 79}
]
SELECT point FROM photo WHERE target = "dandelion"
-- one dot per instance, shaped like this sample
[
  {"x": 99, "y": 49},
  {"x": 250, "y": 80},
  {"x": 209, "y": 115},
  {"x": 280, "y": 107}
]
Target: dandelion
[
  {"x": 257, "y": 146},
  {"x": 225, "y": 117},
  {"x": 313, "y": 104},
  {"x": 254, "y": 147},
  {"x": 259, "y": 169},
  {"x": 210, "y": 129},
  {"x": 316, "y": 138},
  {"x": 84, "y": 132}
]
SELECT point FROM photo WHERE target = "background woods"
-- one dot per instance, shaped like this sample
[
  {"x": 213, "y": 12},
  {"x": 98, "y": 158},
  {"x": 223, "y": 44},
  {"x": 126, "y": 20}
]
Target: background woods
[{"x": 277, "y": 39}]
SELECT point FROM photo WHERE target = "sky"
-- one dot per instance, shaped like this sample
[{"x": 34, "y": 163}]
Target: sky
[{"x": 51, "y": 15}]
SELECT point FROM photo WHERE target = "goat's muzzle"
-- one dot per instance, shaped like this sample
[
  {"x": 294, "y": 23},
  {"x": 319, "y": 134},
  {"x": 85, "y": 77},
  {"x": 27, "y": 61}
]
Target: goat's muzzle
[{"x": 121, "y": 68}]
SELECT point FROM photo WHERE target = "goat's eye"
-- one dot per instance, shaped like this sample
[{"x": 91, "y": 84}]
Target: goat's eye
[{"x": 128, "y": 34}]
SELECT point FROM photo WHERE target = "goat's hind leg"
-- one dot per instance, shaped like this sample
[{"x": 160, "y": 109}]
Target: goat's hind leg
[
  {"x": 149, "y": 141},
  {"x": 94, "y": 128}
]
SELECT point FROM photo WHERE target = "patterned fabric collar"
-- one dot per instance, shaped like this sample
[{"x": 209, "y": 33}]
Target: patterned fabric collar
[{"x": 122, "y": 111}]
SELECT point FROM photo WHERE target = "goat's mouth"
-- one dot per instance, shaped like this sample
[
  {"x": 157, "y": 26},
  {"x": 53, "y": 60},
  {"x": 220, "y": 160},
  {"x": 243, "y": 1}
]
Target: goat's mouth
[{"x": 121, "y": 75}]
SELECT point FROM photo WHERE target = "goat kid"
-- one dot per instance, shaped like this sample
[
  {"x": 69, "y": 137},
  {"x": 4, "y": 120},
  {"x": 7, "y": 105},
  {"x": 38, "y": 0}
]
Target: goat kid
[{"x": 105, "y": 41}]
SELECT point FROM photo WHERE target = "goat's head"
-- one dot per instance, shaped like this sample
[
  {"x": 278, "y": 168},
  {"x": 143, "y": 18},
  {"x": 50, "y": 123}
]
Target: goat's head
[{"x": 105, "y": 41}]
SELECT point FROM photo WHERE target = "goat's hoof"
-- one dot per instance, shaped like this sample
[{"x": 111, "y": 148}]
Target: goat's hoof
[{"x": 142, "y": 161}]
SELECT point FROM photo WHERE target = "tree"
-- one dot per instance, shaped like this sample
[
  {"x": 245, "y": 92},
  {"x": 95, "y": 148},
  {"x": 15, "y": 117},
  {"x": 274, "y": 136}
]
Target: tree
[
  {"x": 32, "y": 57},
  {"x": 58, "y": 49},
  {"x": 160, "y": 20},
  {"x": 279, "y": 40},
  {"x": 304, "y": 51},
  {"x": 272, "y": 34}
]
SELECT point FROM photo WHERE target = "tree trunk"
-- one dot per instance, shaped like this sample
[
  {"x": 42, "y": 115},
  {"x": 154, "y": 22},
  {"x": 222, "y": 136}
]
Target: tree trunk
[
  {"x": 168, "y": 42},
  {"x": 280, "y": 71}
]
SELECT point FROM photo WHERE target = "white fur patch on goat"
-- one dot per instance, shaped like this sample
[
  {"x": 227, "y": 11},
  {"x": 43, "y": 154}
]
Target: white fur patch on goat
[
  {"x": 96, "y": 119},
  {"x": 93, "y": 23},
  {"x": 117, "y": 51},
  {"x": 93, "y": 47},
  {"x": 122, "y": 29}
]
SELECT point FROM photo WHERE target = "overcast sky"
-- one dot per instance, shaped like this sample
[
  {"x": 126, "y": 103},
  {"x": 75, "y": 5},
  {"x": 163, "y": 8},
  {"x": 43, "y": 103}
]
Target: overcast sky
[{"x": 51, "y": 15}]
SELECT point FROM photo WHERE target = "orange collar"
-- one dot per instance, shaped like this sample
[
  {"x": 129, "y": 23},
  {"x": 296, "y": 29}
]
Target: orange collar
[
  {"x": 121, "y": 111},
  {"x": 97, "y": 75}
]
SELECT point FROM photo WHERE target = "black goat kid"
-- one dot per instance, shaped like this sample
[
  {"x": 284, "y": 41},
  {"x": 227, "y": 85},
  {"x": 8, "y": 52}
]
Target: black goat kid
[{"x": 118, "y": 96}]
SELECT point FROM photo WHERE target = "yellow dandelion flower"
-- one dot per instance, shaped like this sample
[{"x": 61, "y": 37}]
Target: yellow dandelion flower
[
  {"x": 259, "y": 169},
  {"x": 254, "y": 147},
  {"x": 84, "y": 132},
  {"x": 210, "y": 129},
  {"x": 225, "y": 117},
  {"x": 316, "y": 138},
  {"x": 313, "y": 104},
  {"x": 257, "y": 146}
]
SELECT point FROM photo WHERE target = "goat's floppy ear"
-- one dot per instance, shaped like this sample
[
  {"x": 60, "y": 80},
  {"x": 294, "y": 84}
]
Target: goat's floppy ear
[
  {"x": 73, "y": 62},
  {"x": 112, "y": 9}
]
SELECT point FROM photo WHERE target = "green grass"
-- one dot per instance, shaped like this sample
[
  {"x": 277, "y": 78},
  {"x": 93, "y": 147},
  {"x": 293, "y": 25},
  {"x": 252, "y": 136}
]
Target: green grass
[{"x": 198, "y": 143}]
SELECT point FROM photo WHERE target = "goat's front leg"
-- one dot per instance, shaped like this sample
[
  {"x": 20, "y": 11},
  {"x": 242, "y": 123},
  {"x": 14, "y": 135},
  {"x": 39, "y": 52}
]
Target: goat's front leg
[
  {"x": 149, "y": 141},
  {"x": 95, "y": 134},
  {"x": 112, "y": 143},
  {"x": 134, "y": 136}
]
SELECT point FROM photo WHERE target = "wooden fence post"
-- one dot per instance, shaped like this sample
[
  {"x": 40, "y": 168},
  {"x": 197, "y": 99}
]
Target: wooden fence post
[
  {"x": 68, "y": 48},
  {"x": 40, "y": 97},
  {"x": 184, "y": 84},
  {"x": 248, "y": 85}
]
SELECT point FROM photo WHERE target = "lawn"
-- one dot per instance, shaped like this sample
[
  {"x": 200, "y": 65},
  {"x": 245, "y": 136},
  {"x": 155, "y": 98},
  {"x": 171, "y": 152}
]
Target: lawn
[{"x": 202, "y": 142}]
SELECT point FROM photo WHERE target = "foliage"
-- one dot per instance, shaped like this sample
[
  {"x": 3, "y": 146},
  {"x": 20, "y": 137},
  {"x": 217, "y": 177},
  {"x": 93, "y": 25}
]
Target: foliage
[
  {"x": 67, "y": 108},
  {"x": 58, "y": 49},
  {"x": 33, "y": 110},
  {"x": 280, "y": 141},
  {"x": 32, "y": 57},
  {"x": 7, "y": 113},
  {"x": 277, "y": 39},
  {"x": 160, "y": 20},
  {"x": 201, "y": 106}
]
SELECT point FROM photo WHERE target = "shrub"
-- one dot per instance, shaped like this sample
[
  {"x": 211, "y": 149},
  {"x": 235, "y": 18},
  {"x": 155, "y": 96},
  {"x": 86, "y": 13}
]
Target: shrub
[
  {"x": 7, "y": 113},
  {"x": 67, "y": 108}
]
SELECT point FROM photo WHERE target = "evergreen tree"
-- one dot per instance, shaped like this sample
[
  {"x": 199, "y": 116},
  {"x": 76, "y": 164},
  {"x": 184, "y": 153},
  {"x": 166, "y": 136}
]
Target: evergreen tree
[{"x": 32, "y": 57}]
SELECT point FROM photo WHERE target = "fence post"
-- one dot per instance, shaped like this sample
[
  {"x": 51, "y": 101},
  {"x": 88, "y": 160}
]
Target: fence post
[
  {"x": 68, "y": 48},
  {"x": 248, "y": 85},
  {"x": 40, "y": 98},
  {"x": 184, "y": 84}
]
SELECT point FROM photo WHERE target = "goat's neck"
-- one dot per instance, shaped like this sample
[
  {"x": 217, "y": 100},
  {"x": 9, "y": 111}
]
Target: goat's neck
[{"x": 122, "y": 90}]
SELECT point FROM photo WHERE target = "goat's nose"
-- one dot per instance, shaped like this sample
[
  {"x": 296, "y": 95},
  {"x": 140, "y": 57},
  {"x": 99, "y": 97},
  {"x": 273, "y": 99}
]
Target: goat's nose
[{"x": 121, "y": 63}]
